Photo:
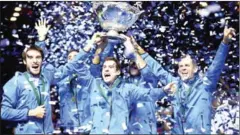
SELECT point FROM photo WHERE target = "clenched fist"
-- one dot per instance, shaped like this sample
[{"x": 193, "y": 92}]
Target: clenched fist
[{"x": 38, "y": 112}]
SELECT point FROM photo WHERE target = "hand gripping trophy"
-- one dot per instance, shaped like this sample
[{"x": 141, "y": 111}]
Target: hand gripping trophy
[{"x": 115, "y": 17}]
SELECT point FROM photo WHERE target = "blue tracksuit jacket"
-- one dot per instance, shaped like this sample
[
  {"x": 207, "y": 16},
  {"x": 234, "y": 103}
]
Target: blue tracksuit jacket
[
  {"x": 74, "y": 102},
  {"x": 192, "y": 112},
  {"x": 142, "y": 117},
  {"x": 18, "y": 98},
  {"x": 110, "y": 106},
  {"x": 74, "y": 98}
]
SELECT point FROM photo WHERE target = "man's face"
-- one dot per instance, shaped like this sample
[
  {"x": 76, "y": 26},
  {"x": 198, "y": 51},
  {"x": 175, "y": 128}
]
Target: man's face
[
  {"x": 109, "y": 71},
  {"x": 33, "y": 62},
  {"x": 133, "y": 69},
  {"x": 186, "y": 69},
  {"x": 71, "y": 55}
]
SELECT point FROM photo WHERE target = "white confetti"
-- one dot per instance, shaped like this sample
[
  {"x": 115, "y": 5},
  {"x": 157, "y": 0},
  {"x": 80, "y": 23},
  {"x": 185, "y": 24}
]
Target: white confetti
[
  {"x": 52, "y": 102},
  {"x": 189, "y": 130},
  {"x": 105, "y": 131},
  {"x": 140, "y": 105},
  {"x": 124, "y": 126}
]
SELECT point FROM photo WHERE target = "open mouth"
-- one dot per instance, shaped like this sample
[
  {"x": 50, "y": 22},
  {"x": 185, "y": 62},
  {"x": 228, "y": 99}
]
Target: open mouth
[
  {"x": 35, "y": 66},
  {"x": 107, "y": 75}
]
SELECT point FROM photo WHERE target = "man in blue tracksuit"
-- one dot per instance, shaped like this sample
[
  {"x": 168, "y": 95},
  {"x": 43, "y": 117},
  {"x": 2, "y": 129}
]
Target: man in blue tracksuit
[
  {"x": 142, "y": 116},
  {"x": 111, "y": 98},
  {"x": 192, "y": 101},
  {"x": 26, "y": 96},
  {"x": 74, "y": 101},
  {"x": 74, "y": 94}
]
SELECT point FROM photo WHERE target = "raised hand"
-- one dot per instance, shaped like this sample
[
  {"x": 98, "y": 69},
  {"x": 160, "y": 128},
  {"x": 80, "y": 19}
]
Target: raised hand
[
  {"x": 42, "y": 28},
  {"x": 137, "y": 47},
  {"x": 97, "y": 39},
  {"x": 129, "y": 45},
  {"x": 228, "y": 33},
  {"x": 131, "y": 52},
  {"x": 128, "y": 41}
]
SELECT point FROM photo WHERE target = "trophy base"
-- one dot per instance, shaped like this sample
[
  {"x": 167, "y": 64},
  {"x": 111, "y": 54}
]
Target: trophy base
[{"x": 113, "y": 36}]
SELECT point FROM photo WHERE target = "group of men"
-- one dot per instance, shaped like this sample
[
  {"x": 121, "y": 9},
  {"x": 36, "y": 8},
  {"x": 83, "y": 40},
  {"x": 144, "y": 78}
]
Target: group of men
[{"x": 97, "y": 100}]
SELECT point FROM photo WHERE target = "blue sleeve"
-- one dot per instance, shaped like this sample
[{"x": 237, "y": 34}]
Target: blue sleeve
[
  {"x": 42, "y": 45},
  {"x": 214, "y": 71},
  {"x": 163, "y": 76},
  {"x": 95, "y": 70},
  {"x": 76, "y": 66},
  {"x": 149, "y": 77},
  {"x": 146, "y": 94},
  {"x": 107, "y": 52},
  {"x": 9, "y": 102}
]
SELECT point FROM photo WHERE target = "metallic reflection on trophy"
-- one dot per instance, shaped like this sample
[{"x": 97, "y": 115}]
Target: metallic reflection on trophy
[{"x": 115, "y": 17}]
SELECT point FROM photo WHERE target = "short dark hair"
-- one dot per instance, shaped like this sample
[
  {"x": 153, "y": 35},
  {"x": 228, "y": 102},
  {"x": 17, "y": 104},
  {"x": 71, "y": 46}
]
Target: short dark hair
[
  {"x": 118, "y": 66},
  {"x": 193, "y": 60},
  {"x": 132, "y": 64},
  {"x": 33, "y": 47},
  {"x": 73, "y": 50}
]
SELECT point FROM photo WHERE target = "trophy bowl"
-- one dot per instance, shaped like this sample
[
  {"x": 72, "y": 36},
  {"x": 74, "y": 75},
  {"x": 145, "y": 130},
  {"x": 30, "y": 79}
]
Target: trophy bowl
[{"x": 116, "y": 17}]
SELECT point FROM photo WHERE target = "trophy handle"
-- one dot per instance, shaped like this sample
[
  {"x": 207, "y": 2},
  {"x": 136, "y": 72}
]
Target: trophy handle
[{"x": 138, "y": 14}]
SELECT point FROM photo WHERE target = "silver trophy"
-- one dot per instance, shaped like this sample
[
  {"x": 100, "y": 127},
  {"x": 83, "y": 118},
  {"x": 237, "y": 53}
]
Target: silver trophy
[{"x": 115, "y": 17}]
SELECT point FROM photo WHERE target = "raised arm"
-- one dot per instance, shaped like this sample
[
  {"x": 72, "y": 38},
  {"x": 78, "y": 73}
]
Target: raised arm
[
  {"x": 148, "y": 77},
  {"x": 156, "y": 68},
  {"x": 213, "y": 74},
  {"x": 131, "y": 52},
  {"x": 75, "y": 66},
  {"x": 145, "y": 70},
  {"x": 143, "y": 59},
  {"x": 104, "y": 49}
]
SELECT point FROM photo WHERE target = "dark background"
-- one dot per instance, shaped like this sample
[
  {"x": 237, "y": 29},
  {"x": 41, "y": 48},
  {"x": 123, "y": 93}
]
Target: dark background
[{"x": 186, "y": 32}]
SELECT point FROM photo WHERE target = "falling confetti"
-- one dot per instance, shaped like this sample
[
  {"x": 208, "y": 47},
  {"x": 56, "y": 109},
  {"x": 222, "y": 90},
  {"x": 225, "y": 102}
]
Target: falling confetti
[{"x": 166, "y": 30}]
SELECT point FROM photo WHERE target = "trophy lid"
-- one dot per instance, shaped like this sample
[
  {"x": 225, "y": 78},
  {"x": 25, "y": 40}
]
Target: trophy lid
[{"x": 121, "y": 5}]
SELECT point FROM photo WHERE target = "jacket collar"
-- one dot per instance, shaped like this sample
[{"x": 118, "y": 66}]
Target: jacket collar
[
  {"x": 40, "y": 76},
  {"x": 116, "y": 83},
  {"x": 192, "y": 80}
]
